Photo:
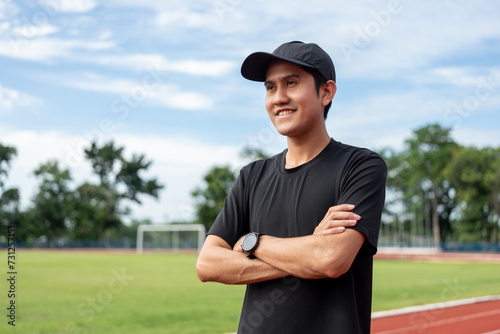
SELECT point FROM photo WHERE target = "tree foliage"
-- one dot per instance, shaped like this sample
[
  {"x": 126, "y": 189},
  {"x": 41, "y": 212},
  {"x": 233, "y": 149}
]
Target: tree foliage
[
  {"x": 210, "y": 197},
  {"x": 120, "y": 180},
  {"x": 475, "y": 173},
  {"x": 428, "y": 152},
  {"x": 120, "y": 176},
  {"x": 253, "y": 153},
  {"x": 91, "y": 217},
  {"x": 53, "y": 201},
  {"x": 435, "y": 179},
  {"x": 9, "y": 197},
  {"x": 86, "y": 212},
  {"x": 7, "y": 153}
]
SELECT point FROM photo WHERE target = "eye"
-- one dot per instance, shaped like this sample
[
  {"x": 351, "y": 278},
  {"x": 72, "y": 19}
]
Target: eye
[
  {"x": 290, "y": 82},
  {"x": 269, "y": 87}
]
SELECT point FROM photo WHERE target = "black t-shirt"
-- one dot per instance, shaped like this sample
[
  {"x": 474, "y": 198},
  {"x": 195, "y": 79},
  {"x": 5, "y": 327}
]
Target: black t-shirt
[{"x": 286, "y": 203}]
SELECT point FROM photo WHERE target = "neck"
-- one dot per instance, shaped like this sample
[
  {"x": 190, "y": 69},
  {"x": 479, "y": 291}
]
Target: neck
[{"x": 302, "y": 150}]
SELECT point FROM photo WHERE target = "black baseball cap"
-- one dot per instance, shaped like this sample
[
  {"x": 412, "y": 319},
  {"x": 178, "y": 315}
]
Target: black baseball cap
[{"x": 306, "y": 54}]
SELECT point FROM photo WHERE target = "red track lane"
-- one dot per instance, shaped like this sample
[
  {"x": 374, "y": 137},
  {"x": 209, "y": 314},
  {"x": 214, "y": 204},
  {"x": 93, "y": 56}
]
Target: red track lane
[{"x": 475, "y": 318}]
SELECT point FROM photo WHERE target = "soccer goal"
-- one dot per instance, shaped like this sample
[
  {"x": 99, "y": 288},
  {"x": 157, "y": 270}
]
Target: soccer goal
[{"x": 175, "y": 236}]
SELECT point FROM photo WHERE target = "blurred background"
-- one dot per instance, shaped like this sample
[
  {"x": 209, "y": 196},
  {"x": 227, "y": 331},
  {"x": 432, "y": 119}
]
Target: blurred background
[{"x": 120, "y": 113}]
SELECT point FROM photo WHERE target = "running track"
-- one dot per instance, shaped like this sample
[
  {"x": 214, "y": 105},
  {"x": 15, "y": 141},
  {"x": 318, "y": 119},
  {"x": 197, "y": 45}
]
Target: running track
[
  {"x": 473, "y": 316},
  {"x": 470, "y": 316}
]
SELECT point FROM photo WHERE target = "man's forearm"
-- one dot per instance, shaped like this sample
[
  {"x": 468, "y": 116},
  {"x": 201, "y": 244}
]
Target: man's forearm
[
  {"x": 313, "y": 256},
  {"x": 329, "y": 252},
  {"x": 219, "y": 263}
]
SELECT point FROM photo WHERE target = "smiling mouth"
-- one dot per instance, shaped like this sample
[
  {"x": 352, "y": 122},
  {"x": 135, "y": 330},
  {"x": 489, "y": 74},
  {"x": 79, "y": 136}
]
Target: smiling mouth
[{"x": 285, "y": 112}]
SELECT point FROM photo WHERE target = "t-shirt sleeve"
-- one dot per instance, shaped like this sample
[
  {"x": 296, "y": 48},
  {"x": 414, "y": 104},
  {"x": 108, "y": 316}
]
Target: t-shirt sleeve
[
  {"x": 363, "y": 184},
  {"x": 232, "y": 221}
]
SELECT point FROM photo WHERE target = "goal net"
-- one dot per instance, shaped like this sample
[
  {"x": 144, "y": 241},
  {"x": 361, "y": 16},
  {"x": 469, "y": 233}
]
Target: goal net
[{"x": 174, "y": 237}]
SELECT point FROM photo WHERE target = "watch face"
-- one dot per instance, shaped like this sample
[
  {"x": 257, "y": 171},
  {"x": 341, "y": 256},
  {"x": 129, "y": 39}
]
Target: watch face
[{"x": 248, "y": 242}]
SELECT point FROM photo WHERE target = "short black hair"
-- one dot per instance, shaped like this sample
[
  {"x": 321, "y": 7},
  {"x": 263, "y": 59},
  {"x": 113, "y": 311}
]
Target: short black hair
[{"x": 319, "y": 80}]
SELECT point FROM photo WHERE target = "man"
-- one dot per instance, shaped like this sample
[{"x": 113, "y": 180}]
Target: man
[{"x": 300, "y": 228}]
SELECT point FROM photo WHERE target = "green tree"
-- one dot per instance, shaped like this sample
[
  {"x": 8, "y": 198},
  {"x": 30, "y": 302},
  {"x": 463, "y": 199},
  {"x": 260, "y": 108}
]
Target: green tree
[
  {"x": 7, "y": 153},
  {"x": 475, "y": 174},
  {"x": 9, "y": 198},
  {"x": 209, "y": 199},
  {"x": 10, "y": 212},
  {"x": 395, "y": 221},
  {"x": 9, "y": 207},
  {"x": 253, "y": 153},
  {"x": 52, "y": 204},
  {"x": 120, "y": 180},
  {"x": 418, "y": 174},
  {"x": 89, "y": 217}
]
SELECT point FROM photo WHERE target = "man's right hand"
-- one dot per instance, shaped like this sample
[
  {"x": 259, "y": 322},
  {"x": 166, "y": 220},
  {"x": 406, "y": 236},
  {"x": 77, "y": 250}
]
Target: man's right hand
[{"x": 337, "y": 218}]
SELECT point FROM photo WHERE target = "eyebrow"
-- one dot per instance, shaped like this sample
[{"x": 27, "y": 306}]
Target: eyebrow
[{"x": 286, "y": 77}]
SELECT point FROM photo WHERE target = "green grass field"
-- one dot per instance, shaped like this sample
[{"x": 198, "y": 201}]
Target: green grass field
[{"x": 97, "y": 292}]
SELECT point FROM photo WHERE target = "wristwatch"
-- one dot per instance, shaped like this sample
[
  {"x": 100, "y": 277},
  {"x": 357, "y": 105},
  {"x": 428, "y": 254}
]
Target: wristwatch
[{"x": 250, "y": 243}]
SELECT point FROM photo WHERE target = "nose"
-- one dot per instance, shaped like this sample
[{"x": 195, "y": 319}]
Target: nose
[{"x": 280, "y": 97}]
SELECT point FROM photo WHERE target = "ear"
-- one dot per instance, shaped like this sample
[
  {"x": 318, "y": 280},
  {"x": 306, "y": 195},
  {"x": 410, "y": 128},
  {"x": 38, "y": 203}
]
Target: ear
[{"x": 328, "y": 92}]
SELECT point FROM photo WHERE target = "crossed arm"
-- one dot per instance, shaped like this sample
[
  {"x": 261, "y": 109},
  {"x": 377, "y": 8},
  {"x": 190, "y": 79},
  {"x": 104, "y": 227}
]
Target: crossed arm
[{"x": 328, "y": 252}]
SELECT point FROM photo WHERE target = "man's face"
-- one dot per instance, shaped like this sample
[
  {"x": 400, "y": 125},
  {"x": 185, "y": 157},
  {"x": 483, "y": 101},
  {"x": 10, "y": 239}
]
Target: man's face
[{"x": 292, "y": 100}]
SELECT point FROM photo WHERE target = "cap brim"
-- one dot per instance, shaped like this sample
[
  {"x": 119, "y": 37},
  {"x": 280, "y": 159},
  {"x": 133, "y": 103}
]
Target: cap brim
[{"x": 255, "y": 66}]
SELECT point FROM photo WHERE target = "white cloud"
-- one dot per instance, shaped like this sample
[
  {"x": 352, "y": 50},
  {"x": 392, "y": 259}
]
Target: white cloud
[
  {"x": 46, "y": 49},
  {"x": 173, "y": 96},
  {"x": 75, "y": 6},
  {"x": 379, "y": 108},
  {"x": 140, "y": 62},
  {"x": 387, "y": 119},
  {"x": 32, "y": 31},
  {"x": 149, "y": 90},
  {"x": 199, "y": 67},
  {"x": 180, "y": 13},
  {"x": 7, "y": 9},
  {"x": 476, "y": 136},
  {"x": 11, "y": 99},
  {"x": 414, "y": 38},
  {"x": 454, "y": 75},
  {"x": 95, "y": 82},
  {"x": 184, "y": 16},
  {"x": 460, "y": 76}
]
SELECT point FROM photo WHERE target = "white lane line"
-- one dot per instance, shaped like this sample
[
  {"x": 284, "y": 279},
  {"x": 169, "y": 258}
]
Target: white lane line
[
  {"x": 436, "y": 306},
  {"x": 442, "y": 322}
]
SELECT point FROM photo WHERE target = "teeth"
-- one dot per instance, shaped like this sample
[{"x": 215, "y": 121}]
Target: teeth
[{"x": 285, "y": 112}]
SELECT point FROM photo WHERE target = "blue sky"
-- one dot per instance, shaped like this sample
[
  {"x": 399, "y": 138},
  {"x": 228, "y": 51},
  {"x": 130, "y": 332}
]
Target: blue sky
[{"x": 161, "y": 78}]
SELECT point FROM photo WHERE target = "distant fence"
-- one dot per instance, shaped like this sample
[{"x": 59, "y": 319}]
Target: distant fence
[
  {"x": 489, "y": 247},
  {"x": 473, "y": 247}
]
